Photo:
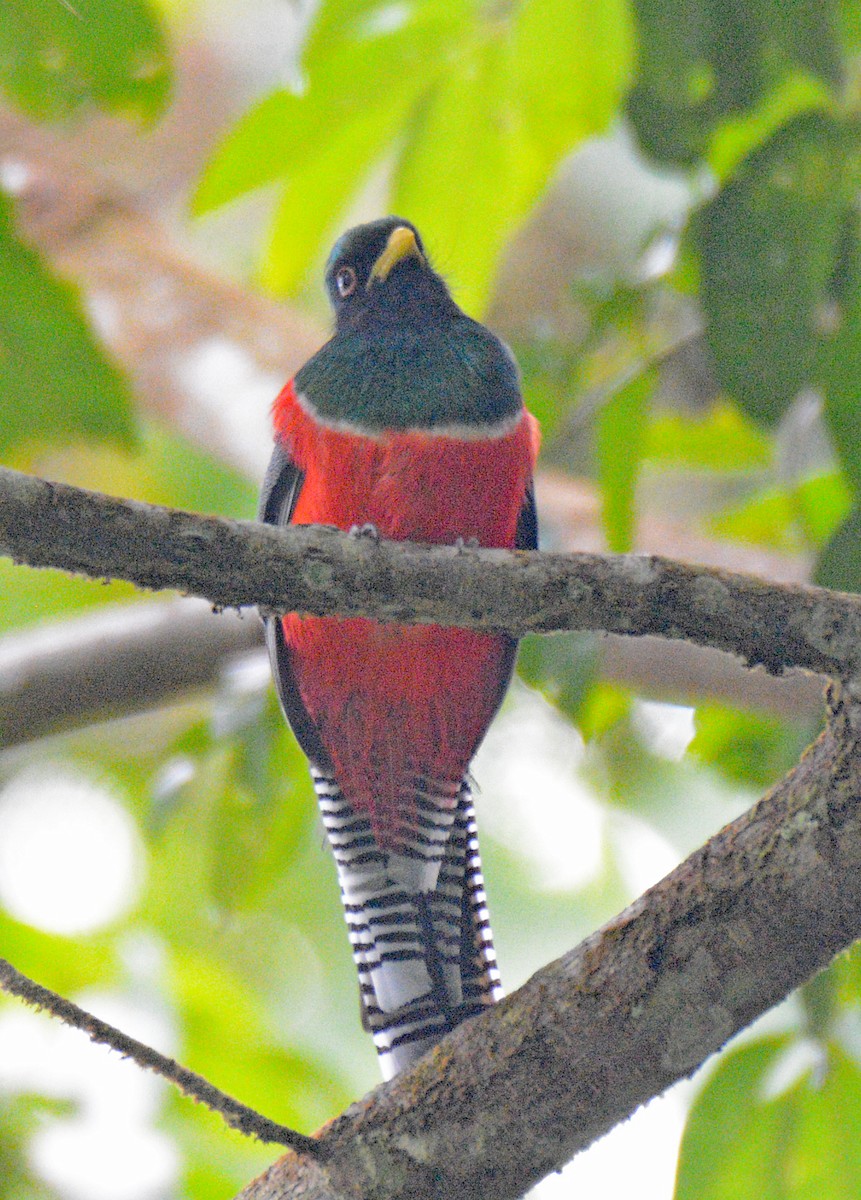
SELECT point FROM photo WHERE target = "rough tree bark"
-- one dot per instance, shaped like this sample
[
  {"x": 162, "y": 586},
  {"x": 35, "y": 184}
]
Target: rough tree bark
[
  {"x": 768, "y": 901},
  {"x": 314, "y": 569}
]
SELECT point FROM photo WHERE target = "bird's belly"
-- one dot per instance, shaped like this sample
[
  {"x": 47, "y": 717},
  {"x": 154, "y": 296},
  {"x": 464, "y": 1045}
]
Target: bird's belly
[{"x": 400, "y": 709}]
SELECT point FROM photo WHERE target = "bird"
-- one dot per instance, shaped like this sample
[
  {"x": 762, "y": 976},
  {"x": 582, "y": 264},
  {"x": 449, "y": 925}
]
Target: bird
[{"x": 408, "y": 424}]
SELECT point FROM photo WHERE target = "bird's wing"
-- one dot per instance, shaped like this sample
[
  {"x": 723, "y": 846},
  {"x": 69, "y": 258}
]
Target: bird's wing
[
  {"x": 281, "y": 486},
  {"x": 526, "y": 537}
]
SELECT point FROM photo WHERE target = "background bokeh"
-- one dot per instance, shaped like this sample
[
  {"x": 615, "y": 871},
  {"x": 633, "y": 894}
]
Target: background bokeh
[{"x": 656, "y": 203}]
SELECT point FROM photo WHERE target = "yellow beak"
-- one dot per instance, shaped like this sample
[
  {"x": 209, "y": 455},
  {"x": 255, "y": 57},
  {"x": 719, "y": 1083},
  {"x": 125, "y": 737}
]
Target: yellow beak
[{"x": 401, "y": 244}]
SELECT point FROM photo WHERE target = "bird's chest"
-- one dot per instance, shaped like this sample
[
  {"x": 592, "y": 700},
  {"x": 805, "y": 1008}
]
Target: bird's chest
[{"x": 412, "y": 485}]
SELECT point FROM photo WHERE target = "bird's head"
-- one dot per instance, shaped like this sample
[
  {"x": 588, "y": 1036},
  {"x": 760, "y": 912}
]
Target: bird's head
[{"x": 379, "y": 273}]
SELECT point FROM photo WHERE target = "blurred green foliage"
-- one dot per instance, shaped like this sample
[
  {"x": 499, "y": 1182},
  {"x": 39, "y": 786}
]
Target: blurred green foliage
[
  {"x": 781, "y": 1143},
  {"x": 58, "y": 57},
  {"x": 477, "y": 101},
  {"x": 55, "y": 384},
  {"x": 460, "y": 112}
]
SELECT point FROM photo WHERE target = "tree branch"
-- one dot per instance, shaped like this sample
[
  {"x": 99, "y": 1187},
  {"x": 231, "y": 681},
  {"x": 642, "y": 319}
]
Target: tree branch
[
  {"x": 318, "y": 570},
  {"x": 514, "y": 1093},
  {"x": 119, "y": 660},
  {"x": 640, "y": 1004},
  {"x": 130, "y": 658},
  {"x": 236, "y": 1115}
]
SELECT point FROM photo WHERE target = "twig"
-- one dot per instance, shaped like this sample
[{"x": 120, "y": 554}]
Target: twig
[{"x": 236, "y": 1115}]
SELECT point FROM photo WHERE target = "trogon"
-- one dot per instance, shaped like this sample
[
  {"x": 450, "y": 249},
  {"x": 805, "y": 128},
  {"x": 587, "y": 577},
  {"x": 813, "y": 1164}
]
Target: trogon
[{"x": 408, "y": 423}]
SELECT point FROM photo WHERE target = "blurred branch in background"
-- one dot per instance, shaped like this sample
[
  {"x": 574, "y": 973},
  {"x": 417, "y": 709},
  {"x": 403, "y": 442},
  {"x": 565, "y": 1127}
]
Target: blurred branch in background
[
  {"x": 130, "y": 659},
  {"x": 114, "y": 662},
  {"x": 187, "y": 338}
]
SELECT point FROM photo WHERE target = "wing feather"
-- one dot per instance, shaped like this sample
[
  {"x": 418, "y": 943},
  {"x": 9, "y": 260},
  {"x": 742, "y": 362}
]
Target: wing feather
[{"x": 281, "y": 486}]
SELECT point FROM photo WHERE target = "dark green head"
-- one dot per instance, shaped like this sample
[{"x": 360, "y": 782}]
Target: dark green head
[
  {"x": 404, "y": 355},
  {"x": 379, "y": 274}
]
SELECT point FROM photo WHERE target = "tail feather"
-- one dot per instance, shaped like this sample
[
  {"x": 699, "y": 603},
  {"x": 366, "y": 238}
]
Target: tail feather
[{"x": 417, "y": 921}]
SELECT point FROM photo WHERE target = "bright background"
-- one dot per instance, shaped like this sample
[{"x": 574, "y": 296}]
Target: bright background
[{"x": 655, "y": 203}]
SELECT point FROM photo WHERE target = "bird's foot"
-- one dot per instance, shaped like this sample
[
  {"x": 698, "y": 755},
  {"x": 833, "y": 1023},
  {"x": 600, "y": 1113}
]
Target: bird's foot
[
  {"x": 368, "y": 530},
  {"x": 462, "y": 546}
]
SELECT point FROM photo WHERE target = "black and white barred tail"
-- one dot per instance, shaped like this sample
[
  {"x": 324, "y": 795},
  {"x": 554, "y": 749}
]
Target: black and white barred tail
[{"x": 417, "y": 920}]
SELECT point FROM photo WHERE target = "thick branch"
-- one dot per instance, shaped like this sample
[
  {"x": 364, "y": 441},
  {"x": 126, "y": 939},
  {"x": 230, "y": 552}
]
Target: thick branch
[
  {"x": 318, "y": 570},
  {"x": 513, "y": 1094}
]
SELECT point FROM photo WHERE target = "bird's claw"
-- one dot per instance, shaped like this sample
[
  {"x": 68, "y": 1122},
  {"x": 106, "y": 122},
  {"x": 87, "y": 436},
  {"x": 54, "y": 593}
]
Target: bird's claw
[{"x": 368, "y": 530}]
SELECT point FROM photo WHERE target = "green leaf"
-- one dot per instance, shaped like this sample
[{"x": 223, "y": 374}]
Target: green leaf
[
  {"x": 229, "y": 1040},
  {"x": 822, "y": 502},
  {"x": 728, "y": 1148},
  {"x": 805, "y": 32},
  {"x": 64, "y": 964},
  {"x": 510, "y": 105},
  {"x": 824, "y": 1157},
  {"x": 263, "y": 811},
  {"x": 619, "y": 436},
  {"x": 720, "y": 439},
  {"x": 768, "y": 244},
  {"x": 561, "y": 667},
  {"x": 478, "y": 103},
  {"x": 840, "y": 364},
  {"x": 565, "y": 96},
  {"x": 467, "y": 141},
  {"x": 678, "y": 96},
  {"x": 301, "y": 228},
  {"x": 737, "y": 137},
  {"x": 60, "y": 56},
  {"x": 364, "y": 77},
  {"x": 357, "y": 80},
  {"x": 747, "y": 747},
  {"x": 839, "y": 565},
  {"x": 793, "y": 520},
  {"x": 802, "y": 1144},
  {"x": 703, "y": 62},
  {"x": 254, "y": 153},
  {"x": 850, "y": 25},
  {"x": 55, "y": 384},
  {"x": 248, "y": 797},
  {"x": 604, "y": 707}
]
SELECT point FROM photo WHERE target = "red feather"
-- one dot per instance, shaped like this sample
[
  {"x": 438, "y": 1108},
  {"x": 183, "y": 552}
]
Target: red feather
[{"x": 396, "y": 705}]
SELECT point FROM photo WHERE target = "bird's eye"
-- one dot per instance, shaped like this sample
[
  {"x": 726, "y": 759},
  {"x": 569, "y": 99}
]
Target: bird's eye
[{"x": 345, "y": 281}]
